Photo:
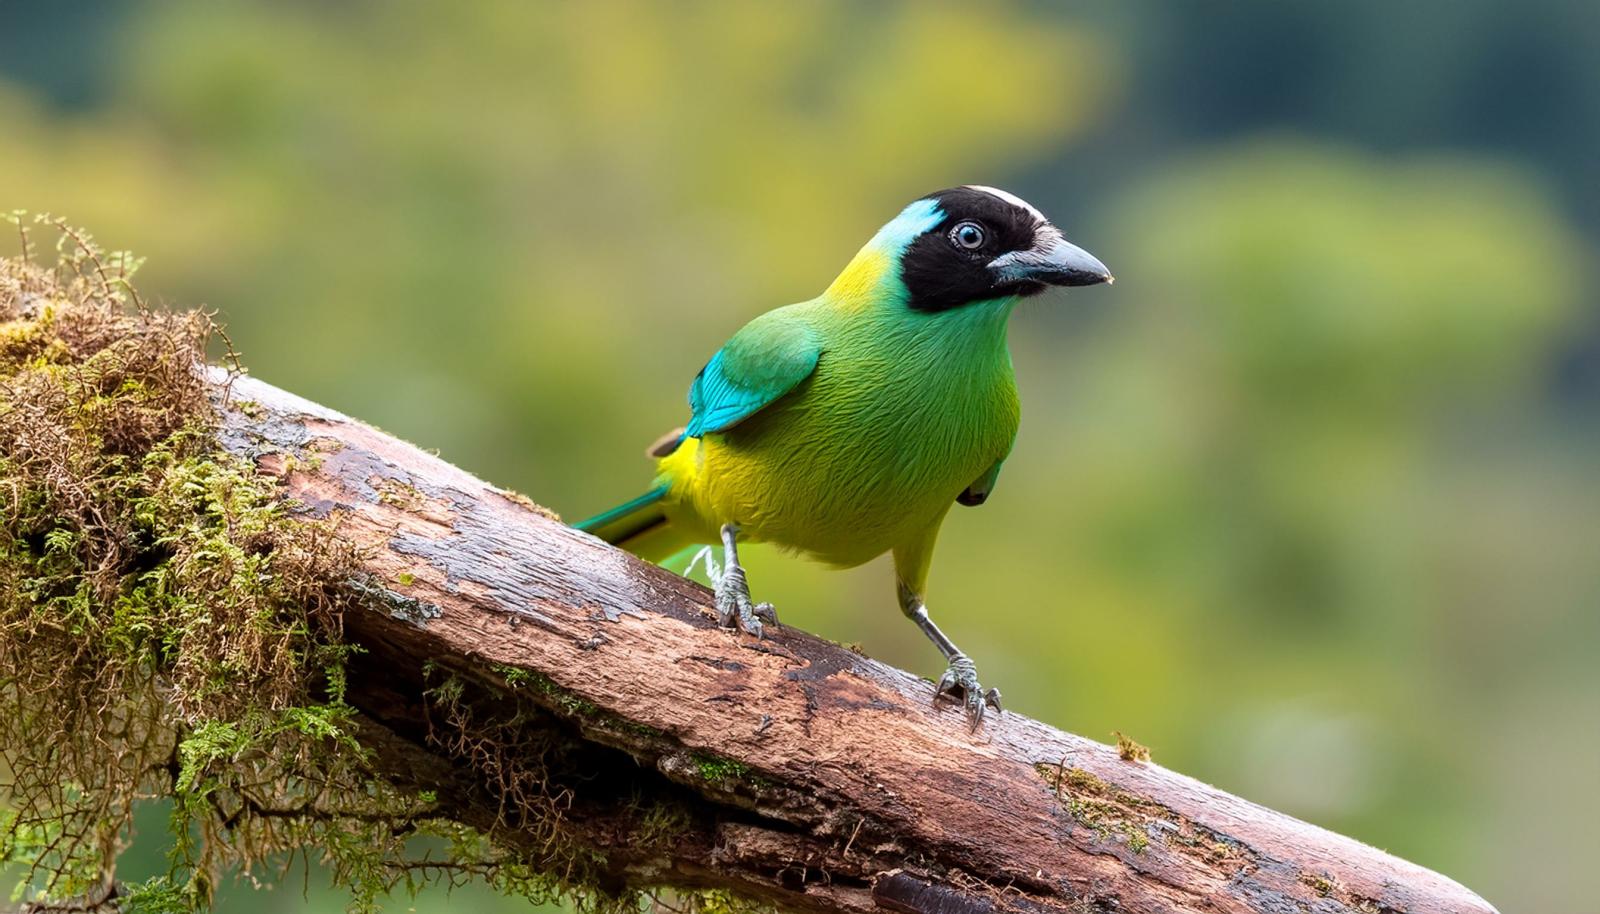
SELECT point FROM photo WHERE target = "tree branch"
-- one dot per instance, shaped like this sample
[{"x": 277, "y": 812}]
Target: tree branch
[{"x": 790, "y": 769}]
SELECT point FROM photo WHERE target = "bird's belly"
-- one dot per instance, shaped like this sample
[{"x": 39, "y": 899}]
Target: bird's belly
[
  {"x": 840, "y": 483},
  {"x": 841, "y": 516}
]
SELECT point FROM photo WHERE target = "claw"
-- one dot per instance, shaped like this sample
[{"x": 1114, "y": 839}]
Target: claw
[
  {"x": 960, "y": 681},
  {"x": 734, "y": 607},
  {"x": 992, "y": 699},
  {"x": 727, "y": 613},
  {"x": 748, "y": 620}
]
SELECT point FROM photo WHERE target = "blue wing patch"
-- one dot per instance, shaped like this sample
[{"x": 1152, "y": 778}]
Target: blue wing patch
[{"x": 762, "y": 362}]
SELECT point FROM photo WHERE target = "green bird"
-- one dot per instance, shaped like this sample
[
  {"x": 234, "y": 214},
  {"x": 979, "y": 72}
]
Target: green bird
[{"x": 846, "y": 426}]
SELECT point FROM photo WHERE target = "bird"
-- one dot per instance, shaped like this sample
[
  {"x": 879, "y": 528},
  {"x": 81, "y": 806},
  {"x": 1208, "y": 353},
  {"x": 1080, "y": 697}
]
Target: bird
[{"x": 846, "y": 426}]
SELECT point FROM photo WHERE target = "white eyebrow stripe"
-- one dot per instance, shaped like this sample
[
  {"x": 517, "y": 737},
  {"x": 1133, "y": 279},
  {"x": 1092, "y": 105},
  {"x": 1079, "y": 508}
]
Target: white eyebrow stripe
[{"x": 1010, "y": 198}]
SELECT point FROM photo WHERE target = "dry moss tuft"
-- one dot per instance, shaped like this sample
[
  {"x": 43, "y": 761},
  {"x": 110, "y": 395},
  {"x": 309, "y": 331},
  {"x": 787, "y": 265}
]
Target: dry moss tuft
[
  {"x": 169, "y": 629},
  {"x": 1129, "y": 749}
]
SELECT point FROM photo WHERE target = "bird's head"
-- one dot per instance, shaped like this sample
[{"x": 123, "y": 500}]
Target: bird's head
[{"x": 964, "y": 245}]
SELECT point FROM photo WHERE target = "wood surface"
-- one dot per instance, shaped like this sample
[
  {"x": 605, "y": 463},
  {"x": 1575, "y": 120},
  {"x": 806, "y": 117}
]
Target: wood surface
[{"x": 812, "y": 777}]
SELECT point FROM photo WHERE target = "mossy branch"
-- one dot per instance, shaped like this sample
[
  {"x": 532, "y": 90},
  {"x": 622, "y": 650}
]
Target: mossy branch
[{"x": 318, "y": 640}]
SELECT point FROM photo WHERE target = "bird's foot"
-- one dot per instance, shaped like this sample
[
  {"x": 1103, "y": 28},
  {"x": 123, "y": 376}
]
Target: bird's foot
[
  {"x": 735, "y": 609},
  {"x": 960, "y": 682}
]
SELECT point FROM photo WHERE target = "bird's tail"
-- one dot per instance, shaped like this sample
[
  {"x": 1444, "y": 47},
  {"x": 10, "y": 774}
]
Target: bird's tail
[{"x": 639, "y": 526}]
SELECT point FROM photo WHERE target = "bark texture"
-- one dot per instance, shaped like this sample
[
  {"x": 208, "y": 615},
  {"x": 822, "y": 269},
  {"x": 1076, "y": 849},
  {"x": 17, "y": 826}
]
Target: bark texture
[{"x": 797, "y": 772}]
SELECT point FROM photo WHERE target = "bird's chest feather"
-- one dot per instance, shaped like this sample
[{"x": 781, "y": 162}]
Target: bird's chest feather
[{"x": 874, "y": 447}]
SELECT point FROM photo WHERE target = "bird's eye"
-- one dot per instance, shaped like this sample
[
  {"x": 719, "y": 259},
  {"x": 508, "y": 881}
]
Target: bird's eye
[{"x": 968, "y": 236}]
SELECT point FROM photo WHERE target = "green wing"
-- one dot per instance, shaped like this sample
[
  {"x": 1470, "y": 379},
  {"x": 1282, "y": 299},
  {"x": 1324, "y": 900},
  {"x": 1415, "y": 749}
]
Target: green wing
[{"x": 766, "y": 359}]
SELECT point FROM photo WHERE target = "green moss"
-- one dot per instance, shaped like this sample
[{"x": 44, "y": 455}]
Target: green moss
[
  {"x": 1222, "y": 850},
  {"x": 714, "y": 768},
  {"x": 573, "y": 705},
  {"x": 637, "y": 729},
  {"x": 515, "y": 676},
  {"x": 1319, "y": 883},
  {"x": 711, "y": 901},
  {"x": 447, "y": 691},
  {"x": 169, "y": 628},
  {"x": 1067, "y": 777},
  {"x": 1137, "y": 839},
  {"x": 560, "y": 699},
  {"x": 1107, "y": 809},
  {"x": 294, "y": 464},
  {"x": 399, "y": 494},
  {"x": 165, "y": 627},
  {"x": 662, "y": 823}
]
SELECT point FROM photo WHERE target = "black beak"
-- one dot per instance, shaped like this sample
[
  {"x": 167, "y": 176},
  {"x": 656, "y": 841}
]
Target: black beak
[{"x": 1052, "y": 260}]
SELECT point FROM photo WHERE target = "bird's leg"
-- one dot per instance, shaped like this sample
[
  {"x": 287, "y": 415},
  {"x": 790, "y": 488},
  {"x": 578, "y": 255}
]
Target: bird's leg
[
  {"x": 734, "y": 607},
  {"x": 961, "y": 678}
]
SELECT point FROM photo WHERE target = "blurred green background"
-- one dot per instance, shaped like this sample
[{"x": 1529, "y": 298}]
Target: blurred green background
[{"x": 1309, "y": 501}]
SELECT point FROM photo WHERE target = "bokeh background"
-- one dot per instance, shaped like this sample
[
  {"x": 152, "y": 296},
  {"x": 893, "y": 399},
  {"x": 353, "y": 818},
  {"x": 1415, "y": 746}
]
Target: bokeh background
[{"x": 1309, "y": 501}]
